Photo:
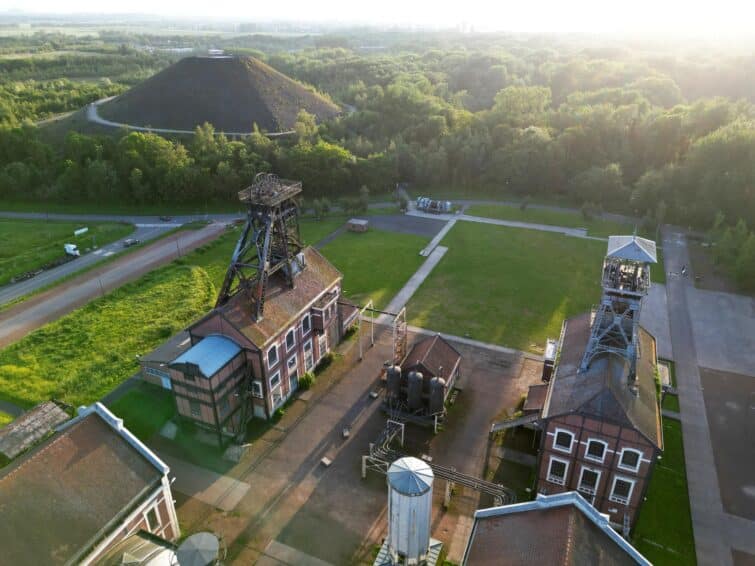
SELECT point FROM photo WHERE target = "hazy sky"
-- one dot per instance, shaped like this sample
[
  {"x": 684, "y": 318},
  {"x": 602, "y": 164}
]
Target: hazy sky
[{"x": 717, "y": 18}]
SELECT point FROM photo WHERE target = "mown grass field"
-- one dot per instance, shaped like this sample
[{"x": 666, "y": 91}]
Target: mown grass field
[
  {"x": 26, "y": 245},
  {"x": 508, "y": 286},
  {"x": 596, "y": 227},
  {"x": 375, "y": 264},
  {"x": 663, "y": 533}
]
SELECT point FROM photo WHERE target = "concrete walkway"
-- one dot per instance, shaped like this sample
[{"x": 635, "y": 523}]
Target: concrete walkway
[
  {"x": 716, "y": 532},
  {"x": 438, "y": 238},
  {"x": 402, "y": 297},
  {"x": 209, "y": 487}
]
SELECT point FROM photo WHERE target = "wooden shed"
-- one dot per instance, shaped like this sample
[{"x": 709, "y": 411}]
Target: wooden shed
[{"x": 357, "y": 225}]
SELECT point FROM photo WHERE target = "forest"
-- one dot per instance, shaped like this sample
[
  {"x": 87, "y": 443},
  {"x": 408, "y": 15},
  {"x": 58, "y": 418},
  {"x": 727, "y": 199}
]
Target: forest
[{"x": 665, "y": 133}]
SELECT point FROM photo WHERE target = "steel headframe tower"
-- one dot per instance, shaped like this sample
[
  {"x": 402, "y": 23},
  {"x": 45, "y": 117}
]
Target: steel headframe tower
[
  {"x": 269, "y": 242},
  {"x": 626, "y": 280}
]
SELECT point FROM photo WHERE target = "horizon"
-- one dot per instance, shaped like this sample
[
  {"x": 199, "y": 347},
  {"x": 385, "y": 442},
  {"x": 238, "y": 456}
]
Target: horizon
[{"x": 729, "y": 21}]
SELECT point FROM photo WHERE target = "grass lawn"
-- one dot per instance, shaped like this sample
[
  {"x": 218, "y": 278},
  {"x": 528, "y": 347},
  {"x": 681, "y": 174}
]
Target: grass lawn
[
  {"x": 375, "y": 264},
  {"x": 83, "y": 355},
  {"x": 26, "y": 245},
  {"x": 595, "y": 227},
  {"x": 5, "y": 419},
  {"x": 509, "y": 286},
  {"x": 663, "y": 532},
  {"x": 145, "y": 409}
]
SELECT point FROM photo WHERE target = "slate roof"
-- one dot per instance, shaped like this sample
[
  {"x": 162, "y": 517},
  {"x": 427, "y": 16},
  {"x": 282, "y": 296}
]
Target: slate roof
[
  {"x": 29, "y": 428},
  {"x": 602, "y": 391},
  {"x": 410, "y": 476},
  {"x": 58, "y": 500},
  {"x": 632, "y": 248},
  {"x": 283, "y": 305},
  {"x": 561, "y": 529},
  {"x": 170, "y": 350},
  {"x": 211, "y": 353},
  {"x": 434, "y": 356}
]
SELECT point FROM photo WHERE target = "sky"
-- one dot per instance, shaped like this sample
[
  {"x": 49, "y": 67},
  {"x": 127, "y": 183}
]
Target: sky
[{"x": 675, "y": 17}]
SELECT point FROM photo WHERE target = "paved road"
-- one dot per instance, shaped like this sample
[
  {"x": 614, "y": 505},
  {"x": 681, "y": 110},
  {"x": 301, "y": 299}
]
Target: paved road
[
  {"x": 94, "y": 117},
  {"x": 47, "y": 306},
  {"x": 716, "y": 532},
  {"x": 14, "y": 291}
]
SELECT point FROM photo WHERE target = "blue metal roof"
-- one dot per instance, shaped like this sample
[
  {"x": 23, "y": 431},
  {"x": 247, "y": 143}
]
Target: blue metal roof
[{"x": 210, "y": 354}]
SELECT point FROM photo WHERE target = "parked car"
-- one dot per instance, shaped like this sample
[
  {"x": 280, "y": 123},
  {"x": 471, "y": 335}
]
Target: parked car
[
  {"x": 128, "y": 242},
  {"x": 166, "y": 218},
  {"x": 72, "y": 249}
]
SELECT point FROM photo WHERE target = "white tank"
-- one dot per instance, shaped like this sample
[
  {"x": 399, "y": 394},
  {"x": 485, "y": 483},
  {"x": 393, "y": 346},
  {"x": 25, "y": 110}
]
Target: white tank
[{"x": 410, "y": 501}]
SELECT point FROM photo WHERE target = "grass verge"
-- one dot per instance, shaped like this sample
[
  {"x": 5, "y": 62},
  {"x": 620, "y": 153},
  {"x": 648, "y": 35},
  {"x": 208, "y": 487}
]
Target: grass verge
[
  {"x": 375, "y": 264},
  {"x": 663, "y": 532},
  {"x": 27, "y": 245},
  {"x": 508, "y": 286}
]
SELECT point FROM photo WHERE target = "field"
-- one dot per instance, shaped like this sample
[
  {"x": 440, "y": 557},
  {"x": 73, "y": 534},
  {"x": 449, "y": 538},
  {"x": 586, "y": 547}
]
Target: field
[
  {"x": 663, "y": 532},
  {"x": 26, "y": 245},
  {"x": 5, "y": 418},
  {"x": 375, "y": 264},
  {"x": 508, "y": 286}
]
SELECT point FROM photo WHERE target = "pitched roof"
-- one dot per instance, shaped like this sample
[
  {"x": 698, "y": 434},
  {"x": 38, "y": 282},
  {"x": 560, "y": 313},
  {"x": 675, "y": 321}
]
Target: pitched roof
[
  {"x": 283, "y": 305},
  {"x": 434, "y": 354},
  {"x": 60, "y": 499},
  {"x": 632, "y": 248},
  {"x": 561, "y": 529},
  {"x": 29, "y": 428},
  {"x": 603, "y": 390},
  {"x": 170, "y": 350},
  {"x": 211, "y": 353}
]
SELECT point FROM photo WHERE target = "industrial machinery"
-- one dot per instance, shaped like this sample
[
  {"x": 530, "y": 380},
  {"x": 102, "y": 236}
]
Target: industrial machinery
[{"x": 426, "y": 204}]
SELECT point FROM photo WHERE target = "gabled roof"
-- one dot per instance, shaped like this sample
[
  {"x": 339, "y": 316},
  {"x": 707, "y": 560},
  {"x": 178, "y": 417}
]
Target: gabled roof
[
  {"x": 433, "y": 355},
  {"x": 60, "y": 499},
  {"x": 410, "y": 476},
  {"x": 632, "y": 248},
  {"x": 283, "y": 305},
  {"x": 210, "y": 354},
  {"x": 561, "y": 529},
  {"x": 602, "y": 391}
]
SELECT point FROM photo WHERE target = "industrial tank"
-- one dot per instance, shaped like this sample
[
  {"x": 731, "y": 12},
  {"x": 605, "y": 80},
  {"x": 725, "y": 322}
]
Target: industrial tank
[
  {"x": 393, "y": 381},
  {"x": 437, "y": 395},
  {"x": 414, "y": 392},
  {"x": 410, "y": 499}
]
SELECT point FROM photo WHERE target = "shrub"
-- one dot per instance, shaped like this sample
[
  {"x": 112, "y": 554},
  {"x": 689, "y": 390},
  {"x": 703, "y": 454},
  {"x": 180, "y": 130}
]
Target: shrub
[
  {"x": 307, "y": 380},
  {"x": 323, "y": 364}
]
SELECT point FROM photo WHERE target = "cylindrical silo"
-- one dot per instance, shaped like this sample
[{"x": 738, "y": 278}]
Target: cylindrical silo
[
  {"x": 437, "y": 395},
  {"x": 410, "y": 500},
  {"x": 393, "y": 382},
  {"x": 414, "y": 390}
]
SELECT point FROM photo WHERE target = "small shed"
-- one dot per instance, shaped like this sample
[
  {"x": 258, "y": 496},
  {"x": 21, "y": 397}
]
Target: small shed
[{"x": 357, "y": 225}]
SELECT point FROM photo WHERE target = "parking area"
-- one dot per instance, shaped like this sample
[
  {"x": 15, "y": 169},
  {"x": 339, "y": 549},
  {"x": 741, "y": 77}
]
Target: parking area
[
  {"x": 730, "y": 407},
  {"x": 724, "y": 330},
  {"x": 404, "y": 224}
]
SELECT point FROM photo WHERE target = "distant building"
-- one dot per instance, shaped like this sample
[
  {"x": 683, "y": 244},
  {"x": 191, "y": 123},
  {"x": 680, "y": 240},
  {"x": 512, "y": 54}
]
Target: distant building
[
  {"x": 82, "y": 491},
  {"x": 600, "y": 416},
  {"x": 553, "y": 529}
]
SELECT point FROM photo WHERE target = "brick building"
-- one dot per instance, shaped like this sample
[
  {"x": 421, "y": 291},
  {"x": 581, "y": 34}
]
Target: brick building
[{"x": 73, "y": 497}]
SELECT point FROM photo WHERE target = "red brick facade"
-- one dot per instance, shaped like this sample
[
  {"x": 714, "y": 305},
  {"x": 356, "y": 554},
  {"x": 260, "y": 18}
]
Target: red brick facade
[{"x": 614, "y": 476}]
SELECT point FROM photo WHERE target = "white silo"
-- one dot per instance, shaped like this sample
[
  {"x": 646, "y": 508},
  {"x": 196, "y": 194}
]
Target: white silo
[{"x": 410, "y": 501}]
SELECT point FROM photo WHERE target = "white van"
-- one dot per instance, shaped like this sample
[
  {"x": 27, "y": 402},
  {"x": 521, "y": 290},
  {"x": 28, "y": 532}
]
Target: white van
[{"x": 72, "y": 249}]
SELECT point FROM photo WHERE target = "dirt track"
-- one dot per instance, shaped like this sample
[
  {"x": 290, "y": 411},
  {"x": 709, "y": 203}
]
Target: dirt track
[{"x": 18, "y": 321}]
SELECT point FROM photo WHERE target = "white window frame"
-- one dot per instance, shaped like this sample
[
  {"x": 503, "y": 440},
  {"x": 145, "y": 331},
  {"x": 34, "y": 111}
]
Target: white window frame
[
  {"x": 592, "y": 458},
  {"x": 291, "y": 332},
  {"x": 555, "y": 479},
  {"x": 619, "y": 499},
  {"x": 273, "y": 393},
  {"x": 257, "y": 389},
  {"x": 308, "y": 318},
  {"x": 312, "y": 354},
  {"x": 152, "y": 528},
  {"x": 635, "y": 469},
  {"x": 320, "y": 339},
  {"x": 277, "y": 356},
  {"x": 276, "y": 375},
  {"x": 561, "y": 448},
  {"x": 597, "y": 482},
  {"x": 191, "y": 408}
]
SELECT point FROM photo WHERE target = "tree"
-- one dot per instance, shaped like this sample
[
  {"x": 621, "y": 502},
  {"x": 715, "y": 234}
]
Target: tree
[
  {"x": 745, "y": 266},
  {"x": 305, "y": 127},
  {"x": 521, "y": 105},
  {"x": 364, "y": 198}
]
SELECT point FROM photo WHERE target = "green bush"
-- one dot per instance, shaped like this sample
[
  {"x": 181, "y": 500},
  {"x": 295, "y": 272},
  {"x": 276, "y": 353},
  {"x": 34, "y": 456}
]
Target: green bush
[
  {"x": 307, "y": 380},
  {"x": 323, "y": 364}
]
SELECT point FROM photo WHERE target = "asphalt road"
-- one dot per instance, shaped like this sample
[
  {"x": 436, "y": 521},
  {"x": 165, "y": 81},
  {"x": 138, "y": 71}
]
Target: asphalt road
[
  {"x": 49, "y": 305},
  {"x": 15, "y": 291}
]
